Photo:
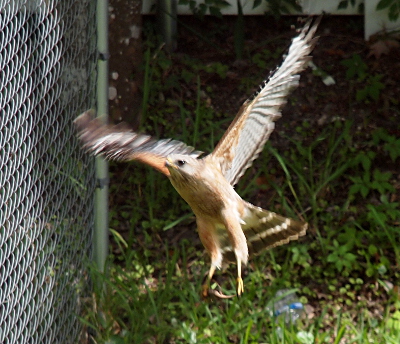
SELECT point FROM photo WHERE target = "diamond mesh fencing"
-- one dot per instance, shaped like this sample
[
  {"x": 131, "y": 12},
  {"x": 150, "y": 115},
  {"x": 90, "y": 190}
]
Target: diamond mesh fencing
[{"x": 47, "y": 77}]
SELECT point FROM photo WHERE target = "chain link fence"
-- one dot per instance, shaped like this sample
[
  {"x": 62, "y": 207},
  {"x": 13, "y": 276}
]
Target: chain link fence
[{"x": 47, "y": 77}]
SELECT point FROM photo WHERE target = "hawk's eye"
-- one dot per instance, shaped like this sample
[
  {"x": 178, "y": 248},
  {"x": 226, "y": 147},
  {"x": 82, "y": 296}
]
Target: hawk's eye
[{"x": 180, "y": 163}]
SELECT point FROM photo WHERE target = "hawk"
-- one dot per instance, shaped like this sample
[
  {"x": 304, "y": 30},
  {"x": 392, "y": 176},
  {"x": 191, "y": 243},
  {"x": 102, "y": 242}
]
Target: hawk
[{"x": 228, "y": 226}]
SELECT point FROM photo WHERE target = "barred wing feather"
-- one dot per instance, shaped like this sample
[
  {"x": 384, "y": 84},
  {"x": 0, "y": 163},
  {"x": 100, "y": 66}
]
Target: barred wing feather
[
  {"x": 121, "y": 143},
  {"x": 254, "y": 123}
]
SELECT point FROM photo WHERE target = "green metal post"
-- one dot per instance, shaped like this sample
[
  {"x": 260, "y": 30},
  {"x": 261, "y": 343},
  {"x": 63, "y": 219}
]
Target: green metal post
[
  {"x": 167, "y": 26},
  {"x": 101, "y": 197}
]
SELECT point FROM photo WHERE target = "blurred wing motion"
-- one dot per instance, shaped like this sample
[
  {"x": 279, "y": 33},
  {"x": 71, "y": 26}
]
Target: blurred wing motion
[
  {"x": 252, "y": 126},
  {"x": 117, "y": 142}
]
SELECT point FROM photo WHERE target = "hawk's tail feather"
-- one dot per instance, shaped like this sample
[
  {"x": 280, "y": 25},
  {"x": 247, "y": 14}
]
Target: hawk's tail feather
[{"x": 265, "y": 229}]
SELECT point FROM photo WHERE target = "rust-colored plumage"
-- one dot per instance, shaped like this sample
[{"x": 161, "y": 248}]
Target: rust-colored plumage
[{"x": 229, "y": 227}]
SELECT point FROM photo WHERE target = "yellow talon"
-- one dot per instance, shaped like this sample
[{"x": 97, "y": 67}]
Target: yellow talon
[{"x": 240, "y": 286}]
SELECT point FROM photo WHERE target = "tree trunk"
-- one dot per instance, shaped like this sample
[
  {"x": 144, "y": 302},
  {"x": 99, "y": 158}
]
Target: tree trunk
[{"x": 125, "y": 45}]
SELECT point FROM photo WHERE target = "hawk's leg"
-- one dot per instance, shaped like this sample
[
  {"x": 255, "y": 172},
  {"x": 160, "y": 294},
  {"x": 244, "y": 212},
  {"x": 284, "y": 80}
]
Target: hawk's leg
[
  {"x": 207, "y": 284},
  {"x": 209, "y": 238},
  {"x": 239, "y": 245}
]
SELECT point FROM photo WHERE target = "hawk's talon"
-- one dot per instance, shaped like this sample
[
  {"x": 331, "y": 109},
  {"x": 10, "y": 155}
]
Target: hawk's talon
[
  {"x": 218, "y": 294},
  {"x": 240, "y": 286},
  {"x": 207, "y": 291}
]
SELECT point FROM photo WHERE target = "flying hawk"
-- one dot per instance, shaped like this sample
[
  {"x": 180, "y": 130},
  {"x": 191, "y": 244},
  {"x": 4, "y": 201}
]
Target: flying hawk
[{"x": 228, "y": 226}]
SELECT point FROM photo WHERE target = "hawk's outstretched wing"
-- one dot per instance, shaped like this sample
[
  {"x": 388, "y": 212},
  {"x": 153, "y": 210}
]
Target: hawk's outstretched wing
[
  {"x": 117, "y": 142},
  {"x": 252, "y": 126}
]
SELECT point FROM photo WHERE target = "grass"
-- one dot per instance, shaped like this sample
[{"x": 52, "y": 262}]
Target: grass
[
  {"x": 341, "y": 179},
  {"x": 139, "y": 307}
]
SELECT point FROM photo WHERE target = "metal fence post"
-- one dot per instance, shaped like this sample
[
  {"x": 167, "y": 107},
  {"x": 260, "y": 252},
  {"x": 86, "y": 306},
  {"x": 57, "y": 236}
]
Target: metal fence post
[
  {"x": 101, "y": 197},
  {"x": 167, "y": 25}
]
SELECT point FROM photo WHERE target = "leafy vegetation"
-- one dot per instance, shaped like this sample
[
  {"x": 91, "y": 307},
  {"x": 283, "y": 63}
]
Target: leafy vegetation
[
  {"x": 357, "y": 73},
  {"x": 278, "y": 7},
  {"x": 392, "y": 6},
  {"x": 341, "y": 176}
]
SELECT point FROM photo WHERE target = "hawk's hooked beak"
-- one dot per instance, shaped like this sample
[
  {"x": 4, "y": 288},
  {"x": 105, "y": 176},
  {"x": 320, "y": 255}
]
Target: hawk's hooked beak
[{"x": 169, "y": 163}]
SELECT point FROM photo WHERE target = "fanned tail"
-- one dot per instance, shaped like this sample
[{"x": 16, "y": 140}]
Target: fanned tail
[{"x": 265, "y": 229}]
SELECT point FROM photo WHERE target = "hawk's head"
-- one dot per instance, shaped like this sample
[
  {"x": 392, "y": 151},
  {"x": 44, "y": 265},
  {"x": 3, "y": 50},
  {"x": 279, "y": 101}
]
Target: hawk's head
[
  {"x": 182, "y": 166},
  {"x": 185, "y": 170},
  {"x": 196, "y": 182}
]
